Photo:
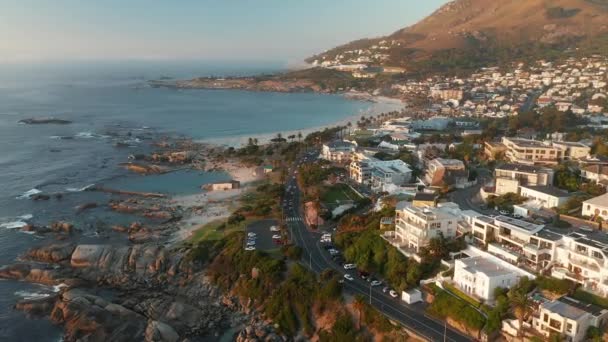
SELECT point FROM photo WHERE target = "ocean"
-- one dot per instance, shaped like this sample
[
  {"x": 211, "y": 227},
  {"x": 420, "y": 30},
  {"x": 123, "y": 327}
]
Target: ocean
[{"x": 109, "y": 103}]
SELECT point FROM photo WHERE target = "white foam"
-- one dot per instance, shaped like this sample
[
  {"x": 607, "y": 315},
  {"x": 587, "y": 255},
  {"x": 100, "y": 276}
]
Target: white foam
[
  {"x": 58, "y": 288},
  {"x": 85, "y": 135},
  {"x": 29, "y": 193},
  {"x": 31, "y": 295},
  {"x": 13, "y": 225},
  {"x": 84, "y": 188},
  {"x": 26, "y": 217}
]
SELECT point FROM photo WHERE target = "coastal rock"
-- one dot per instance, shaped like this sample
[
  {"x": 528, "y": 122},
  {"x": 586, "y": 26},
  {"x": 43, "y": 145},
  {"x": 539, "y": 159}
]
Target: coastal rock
[
  {"x": 62, "y": 227},
  {"x": 159, "y": 331},
  {"x": 86, "y": 206},
  {"x": 85, "y": 318},
  {"x": 51, "y": 253},
  {"x": 37, "y": 307},
  {"x": 40, "y": 197},
  {"x": 40, "y": 121},
  {"x": 32, "y": 274}
]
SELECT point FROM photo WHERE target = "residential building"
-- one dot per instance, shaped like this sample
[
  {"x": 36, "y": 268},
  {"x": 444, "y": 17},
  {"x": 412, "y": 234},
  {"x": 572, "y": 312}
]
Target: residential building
[
  {"x": 445, "y": 172},
  {"x": 509, "y": 177},
  {"x": 223, "y": 186},
  {"x": 572, "y": 150},
  {"x": 338, "y": 150},
  {"x": 548, "y": 196},
  {"x": 416, "y": 226},
  {"x": 568, "y": 318},
  {"x": 493, "y": 150},
  {"x": 424, "y": 199},
  {"x": 390, "y": 172},
  {"x": 479, "y": 275},
  {"x": 596, "y": 173},
  {"x": 596, "y": 207},
  {"x": 526, "y": 151}
]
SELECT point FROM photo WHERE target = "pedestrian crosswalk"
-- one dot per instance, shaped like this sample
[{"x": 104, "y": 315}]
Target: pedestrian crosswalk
[{"x": 294, "y": 219}]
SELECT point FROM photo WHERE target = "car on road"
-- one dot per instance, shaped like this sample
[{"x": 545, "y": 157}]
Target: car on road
[
  {"x": 274, "y": 229},
  {"x": 251, "y": 235},
  {"x": 334, "y": 251},
  {"x": 348, "y": 277},
  {"x": 250, "y": 243},
  {"x": 250, "y": 248},
  {"x": 276, "y": 236},
  {"x": 350, "y": 266},
  {"x": 393, "y": 293},
  {"x": 385, "y": 289},
  {"x": 376, "y": 283}
]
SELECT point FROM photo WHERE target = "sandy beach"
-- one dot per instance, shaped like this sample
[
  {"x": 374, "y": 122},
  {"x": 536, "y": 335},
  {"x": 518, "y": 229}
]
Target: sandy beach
[{"x": 209, "y": 206}]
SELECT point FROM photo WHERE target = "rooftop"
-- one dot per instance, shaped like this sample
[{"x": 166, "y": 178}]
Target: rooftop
[
  {"x": 599, "y": 201},
  {"x": 548, "y": 190},
  {"x": 527, "y": 142},
  {"x": 518, "y": 224},
  {"x": 425, "y": 196},
  {"x": 522, "y": 168},
  {"x": 426, "y": 213},
  {"x": 479, "y": 264},
  {"x": 572, "y": 308}
]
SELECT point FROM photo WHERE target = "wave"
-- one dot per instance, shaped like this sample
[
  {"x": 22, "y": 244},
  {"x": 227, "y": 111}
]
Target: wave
[
  {"x": 90, "y": 135},
  {"x": 58, "y": 288},
  {"x": 29, "y": 193},
  {"x": 31, "y": 295},
  {"x": 26, "y": 217},
  {"x": 84, "y": 188},
  {"x": 13, "y": 225}
]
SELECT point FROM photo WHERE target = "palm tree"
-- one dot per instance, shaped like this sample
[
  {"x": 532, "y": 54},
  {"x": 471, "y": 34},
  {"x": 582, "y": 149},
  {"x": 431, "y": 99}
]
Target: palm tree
[
  {"x": 349, "y": 126},
  {"x": 255, "y": 141},
  {"x": 250, "y": 141},
  {"x": 521, "y": 308},
  {"x": 299, "y": 136}
]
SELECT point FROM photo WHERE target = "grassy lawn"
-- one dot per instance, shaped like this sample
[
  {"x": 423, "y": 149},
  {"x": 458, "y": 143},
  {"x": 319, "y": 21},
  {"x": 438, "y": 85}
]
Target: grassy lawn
[
  {"x": 338, "y": 193},
  {"x": 216, "y": 230},
  {"x": 361, "y": 134}
]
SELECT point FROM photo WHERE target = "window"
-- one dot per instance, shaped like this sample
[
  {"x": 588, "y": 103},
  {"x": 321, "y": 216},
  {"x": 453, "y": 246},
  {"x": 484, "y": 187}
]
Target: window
[
  {"x": 545, "y": 318},
  {"x": 569, "y": 327}
]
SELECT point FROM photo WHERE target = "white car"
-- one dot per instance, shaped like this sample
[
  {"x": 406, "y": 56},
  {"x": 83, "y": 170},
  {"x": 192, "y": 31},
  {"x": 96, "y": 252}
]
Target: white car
[
  {"x": 252, "y": 235},
  {"x": 376, "y": 283},
  {"x": 349, "y": 266},
  {"x": 250, "y": 248},
  {"x": 349, "y": 277},
  {"x": 334, "y": 251},
  {"x": 276, "y": 236},
  {"x": 274, "y": 229},
  {"x": 250, "y": 243},
  {"x": 393, "y": 293}
]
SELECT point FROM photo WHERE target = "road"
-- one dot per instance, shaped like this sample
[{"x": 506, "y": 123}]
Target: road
[
  {"x": 469, "y": 198},
  {"x": 318, "y": 259}
]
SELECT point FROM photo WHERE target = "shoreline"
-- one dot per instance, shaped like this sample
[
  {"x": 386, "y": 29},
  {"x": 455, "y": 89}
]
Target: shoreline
[{"x": 264, "y": 138}]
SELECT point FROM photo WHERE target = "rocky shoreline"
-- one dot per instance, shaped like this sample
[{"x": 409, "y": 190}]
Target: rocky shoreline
[{"x": 147, "y": 290}]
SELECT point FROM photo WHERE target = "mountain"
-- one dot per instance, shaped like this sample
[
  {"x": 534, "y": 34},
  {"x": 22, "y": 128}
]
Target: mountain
[{"x": 466, "y": 34}]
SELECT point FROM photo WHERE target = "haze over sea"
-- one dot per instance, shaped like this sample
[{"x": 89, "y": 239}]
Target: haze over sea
[{"x": 108, "y": 103}]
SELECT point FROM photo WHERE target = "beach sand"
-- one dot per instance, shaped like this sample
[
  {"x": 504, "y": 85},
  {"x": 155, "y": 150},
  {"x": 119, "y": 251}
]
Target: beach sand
[{"x": 209, "y": 206}]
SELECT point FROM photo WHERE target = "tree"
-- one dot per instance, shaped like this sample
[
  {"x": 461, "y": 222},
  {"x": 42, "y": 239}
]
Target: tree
[
  {"x": 255, "y": 141},
  {"x": 521, "y": 307},
  {"x": 299, "y": 136}
]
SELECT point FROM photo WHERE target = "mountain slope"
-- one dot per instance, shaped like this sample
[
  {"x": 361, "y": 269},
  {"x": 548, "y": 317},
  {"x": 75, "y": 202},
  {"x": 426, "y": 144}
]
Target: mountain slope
[{"x": 468, "y": 33}]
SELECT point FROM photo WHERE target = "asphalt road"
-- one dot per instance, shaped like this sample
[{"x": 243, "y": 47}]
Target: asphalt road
[{"x": 318, "y": 259}]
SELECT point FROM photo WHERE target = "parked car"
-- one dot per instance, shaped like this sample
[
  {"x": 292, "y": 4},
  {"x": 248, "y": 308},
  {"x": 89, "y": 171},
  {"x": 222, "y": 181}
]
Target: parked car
[
  {"x": 250, "y": 248},
  {"x": 504, "y": 212},
  {"x": 385, "y": 289},
  {"x": 393, "y": 293},
  {"x": 274, "y": 229},
  {"x": 276, "y": 236},
  {"x": 250, "y": 243},
  {"x": 334, "y": 251},
  {"x": 376, "y": 283},
  {"x": 349, "y": 266},
  {"x": 251, "y": 235},
  {"x": 349, "y": 277}
]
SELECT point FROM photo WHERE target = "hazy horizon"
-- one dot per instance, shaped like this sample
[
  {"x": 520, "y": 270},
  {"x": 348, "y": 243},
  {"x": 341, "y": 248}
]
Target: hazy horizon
[{"x": 272, "y": 30}]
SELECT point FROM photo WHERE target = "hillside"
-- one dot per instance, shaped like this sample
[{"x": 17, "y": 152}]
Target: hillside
[{"x": 465, "y": 34}]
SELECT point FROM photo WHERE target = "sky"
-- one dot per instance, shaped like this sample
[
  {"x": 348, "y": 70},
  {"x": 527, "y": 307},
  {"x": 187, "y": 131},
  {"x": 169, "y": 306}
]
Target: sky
[{"x": 277, "y": 30}]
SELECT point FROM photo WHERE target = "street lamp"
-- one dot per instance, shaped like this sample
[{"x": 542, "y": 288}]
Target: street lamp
[{"x": 370, "y": 293}]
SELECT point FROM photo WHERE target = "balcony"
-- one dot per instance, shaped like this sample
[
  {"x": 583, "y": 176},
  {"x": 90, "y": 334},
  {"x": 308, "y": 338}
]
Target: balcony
[
  {"x": 513, "y": 239},
  {"x": 584, "y": 264}
]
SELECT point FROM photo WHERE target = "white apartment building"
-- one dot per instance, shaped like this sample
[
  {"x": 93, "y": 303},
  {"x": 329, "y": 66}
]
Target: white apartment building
[
  {"x": 568, "y": 318},
  {"x": 388, "y": 173},
  {"x": 572, "y": 150},
  {"x": 509, "y": 177},
  {"x": 526, "y": 151},
  {"x": 596, "y": 173},
  {"x": 546, "y": 196},
  {"x": 338, "y": 151},
  {"x": 415, "y": 226},
  {"x": 481, "y": 273},
  {"x": 596, "y": 207}
]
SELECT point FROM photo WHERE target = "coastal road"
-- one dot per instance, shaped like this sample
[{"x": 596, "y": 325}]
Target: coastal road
[{"x": 318, "y": 259}]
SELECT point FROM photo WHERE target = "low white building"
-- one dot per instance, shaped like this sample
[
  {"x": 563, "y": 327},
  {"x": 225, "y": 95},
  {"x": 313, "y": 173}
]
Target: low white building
[
  {"x": 481, "y": 273},
  {"x": 596, "y": 207},
  {"x": 388, "y": 173},
  {"x": 568, "y": 318},
  {"x": 547, "y": 196}
]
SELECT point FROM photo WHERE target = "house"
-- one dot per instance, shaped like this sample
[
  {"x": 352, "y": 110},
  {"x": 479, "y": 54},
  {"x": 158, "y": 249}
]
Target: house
[
  {"x": 416, "y": 226},
  {"x": 596, "y": 173},
  {"x": 268, "y": 168},
  {"x": 223, "y": 186},
  {"x": 493, "y": 150},
  {"x": 479, "y": 275},
  {"x": 509, "y": 177},
  {"x": 391, "y": 172},
  {"x": 338, "y": 150},
  {"x": 442, "y": 171},
  {"x": 424, "y": 199},
  {"x": 437, "y": 123},
  {"x": 411, "y": 296},
  {"x": 596, "y": 207},
  {"x": 548, "y": 196},
  {"x": 568, "y": 318}
]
